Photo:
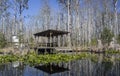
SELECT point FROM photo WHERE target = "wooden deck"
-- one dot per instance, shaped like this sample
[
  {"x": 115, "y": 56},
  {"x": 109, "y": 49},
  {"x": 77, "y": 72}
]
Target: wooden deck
[
  {"x": 42, "y": 50},
  {"x": 64, "y": 49},
  {"x": 53, "y": 49}
]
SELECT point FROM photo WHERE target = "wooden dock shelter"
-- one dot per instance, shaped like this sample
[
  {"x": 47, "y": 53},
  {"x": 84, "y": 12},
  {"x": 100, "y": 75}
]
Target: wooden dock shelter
[{"x": 52, "y": 41}]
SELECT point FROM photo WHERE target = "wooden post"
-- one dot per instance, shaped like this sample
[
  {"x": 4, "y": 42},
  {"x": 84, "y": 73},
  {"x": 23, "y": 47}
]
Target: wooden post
[
  {"x": 50, "y": 39},
  {"x": 38, "y": 41},
  {"x": 62, "y": 40},
  {"x": 46, "y": 44},
  {"x": 50, "y": 42},
  {"x": 53, "y": 41},
  {"x": 58, "y": 41},
  {"x": 35, "y": 41},
  {"x": 47, "y": 41},
  {"x": 36, "y": 47}
]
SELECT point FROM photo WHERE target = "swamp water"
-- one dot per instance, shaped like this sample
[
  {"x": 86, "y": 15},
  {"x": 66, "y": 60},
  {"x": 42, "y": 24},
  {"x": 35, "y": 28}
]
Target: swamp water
[{"x": 84, "y": 67}]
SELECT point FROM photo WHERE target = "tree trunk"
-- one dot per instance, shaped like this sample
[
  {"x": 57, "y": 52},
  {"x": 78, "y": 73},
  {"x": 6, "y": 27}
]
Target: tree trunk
[{"x": 69, "y": 17}]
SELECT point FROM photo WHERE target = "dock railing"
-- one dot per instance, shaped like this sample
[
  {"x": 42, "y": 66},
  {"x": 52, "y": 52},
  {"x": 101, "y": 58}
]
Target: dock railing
[{"x": 53, "y": 44}]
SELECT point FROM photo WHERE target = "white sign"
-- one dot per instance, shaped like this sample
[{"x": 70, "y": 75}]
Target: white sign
[{"x": 15, "y": 39}]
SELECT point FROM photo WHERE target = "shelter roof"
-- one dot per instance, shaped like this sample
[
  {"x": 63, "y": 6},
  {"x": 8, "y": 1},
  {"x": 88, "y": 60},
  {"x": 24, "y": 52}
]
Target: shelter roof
[{"x": 50, "y": 32}]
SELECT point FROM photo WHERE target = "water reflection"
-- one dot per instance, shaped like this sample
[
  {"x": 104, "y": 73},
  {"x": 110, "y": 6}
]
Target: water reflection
[
  {"x": 52, "y": 68},
  {"x": 8, "y": 70},
  {"x": 76, "y": 68}
]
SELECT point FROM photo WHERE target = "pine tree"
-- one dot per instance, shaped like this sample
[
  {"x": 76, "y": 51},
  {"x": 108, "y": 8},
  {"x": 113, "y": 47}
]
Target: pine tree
[{"x": 106, "y": 36}]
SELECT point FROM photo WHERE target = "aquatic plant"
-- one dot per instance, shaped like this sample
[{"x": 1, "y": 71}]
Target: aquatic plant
[
  {"x": 8, "y": 58},
  {"x": 35, "y": 59},
  {"x": 111, "y": 51}
]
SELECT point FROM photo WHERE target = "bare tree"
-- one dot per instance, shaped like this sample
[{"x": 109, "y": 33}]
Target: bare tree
[
  {"x": 67, "y": 4},
  {"x": 115, "y": 17},
  {"x": 21, "y": 5}
]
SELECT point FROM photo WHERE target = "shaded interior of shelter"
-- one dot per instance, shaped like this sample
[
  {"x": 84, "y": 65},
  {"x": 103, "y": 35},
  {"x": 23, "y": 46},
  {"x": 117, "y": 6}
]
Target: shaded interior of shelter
[{"x": 46, "y": 50}]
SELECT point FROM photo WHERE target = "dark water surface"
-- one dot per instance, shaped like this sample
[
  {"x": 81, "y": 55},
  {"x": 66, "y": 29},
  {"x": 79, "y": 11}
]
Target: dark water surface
[{"x": 74, "y": 68}]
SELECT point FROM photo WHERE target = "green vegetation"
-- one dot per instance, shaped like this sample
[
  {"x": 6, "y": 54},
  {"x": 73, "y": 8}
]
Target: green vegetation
[
  {"x": 34, "y": 59},
  {"x": 94, "y": 58},
  {"x": 8, "y": 58},
  {"x": 117, "y": 59},
  {"x": 31, "y": 42},
  {"x": 93, "y": 42},
  {"x": 106, "y": 36},
  {"x": 118, "y": 39},
  {"x": 107, "y": 65},
  {"x": 21, "y": 38},
  {"x": 111, "y": 51},
  {"x": 2, "y": 41}
]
